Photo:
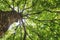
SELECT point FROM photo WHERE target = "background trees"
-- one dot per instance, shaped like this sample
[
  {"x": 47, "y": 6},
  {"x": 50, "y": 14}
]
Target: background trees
[{"x": 41, "y": 19}]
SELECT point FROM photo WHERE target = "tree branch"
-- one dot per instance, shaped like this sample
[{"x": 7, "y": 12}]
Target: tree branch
[
  {"x": 27, "y": 8},
  {"x": 44, "y": 20},
  {"x": 29, "y": 36},
  {"x": 39, "y": 12},
  {"x": 24, "y": 37},
  {"x": 7, "y": 4},
  {"x": 24, "y": 5},
  {"x": 13, "y": 4},
  {"x": 57, "y": 11}
]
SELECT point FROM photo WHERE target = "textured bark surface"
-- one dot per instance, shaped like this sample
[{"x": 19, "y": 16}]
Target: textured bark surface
[{"x": 7, "y": 18}]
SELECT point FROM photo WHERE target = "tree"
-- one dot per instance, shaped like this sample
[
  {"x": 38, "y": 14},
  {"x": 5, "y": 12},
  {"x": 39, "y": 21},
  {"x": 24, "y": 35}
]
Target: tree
[{"x": 40, "y": 19}]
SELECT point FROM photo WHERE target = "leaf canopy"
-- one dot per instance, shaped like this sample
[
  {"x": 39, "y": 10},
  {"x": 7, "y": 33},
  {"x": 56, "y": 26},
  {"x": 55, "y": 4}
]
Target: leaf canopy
[{"x": 41, "y": 19}]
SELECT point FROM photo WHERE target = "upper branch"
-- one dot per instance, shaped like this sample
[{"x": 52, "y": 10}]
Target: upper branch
[{"x": 8, "y": 4}]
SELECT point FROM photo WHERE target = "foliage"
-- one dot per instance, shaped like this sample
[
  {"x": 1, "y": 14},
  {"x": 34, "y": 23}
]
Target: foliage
[{"x": 41, "y": 19}]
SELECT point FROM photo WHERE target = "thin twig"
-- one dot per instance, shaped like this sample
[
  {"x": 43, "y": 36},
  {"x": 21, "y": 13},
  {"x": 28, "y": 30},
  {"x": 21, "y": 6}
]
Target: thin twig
[
  {"x": 34, "y": 31},
  {"x": 29, "y": 36},
  {"x": 18, "y": 2},
  {"x": 27, "y": 8},
  {"x": 39, "y": 12},
  {"x": 15, "y": 32},
  {"x": 33, "y": 13},
  {"x": 55, "y": 11},
  {"x": 43, "y": 20},
  {"x": 7, "y": 4},
  {"x": 24, "y": 6},
  {"x": 24, "y": 37},
  {"x": 13, "y": 4}
]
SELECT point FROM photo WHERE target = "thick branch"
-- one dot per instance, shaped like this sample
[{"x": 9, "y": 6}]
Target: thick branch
[{"x": 24, "y": 38}]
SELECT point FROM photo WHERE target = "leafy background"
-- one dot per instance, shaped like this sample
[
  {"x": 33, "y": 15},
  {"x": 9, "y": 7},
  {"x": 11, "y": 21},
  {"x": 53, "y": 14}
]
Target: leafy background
[{"x": 41, "y": 19}]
